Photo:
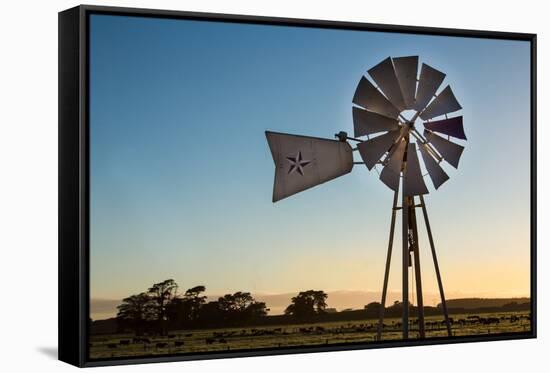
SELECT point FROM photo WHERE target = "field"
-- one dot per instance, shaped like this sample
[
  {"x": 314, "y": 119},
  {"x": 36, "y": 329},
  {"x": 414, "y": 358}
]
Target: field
[{"x": 193, "y": 341}]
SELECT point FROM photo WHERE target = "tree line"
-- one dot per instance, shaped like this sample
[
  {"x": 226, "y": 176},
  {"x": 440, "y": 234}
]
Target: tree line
[{"x": 162, "y": 307}]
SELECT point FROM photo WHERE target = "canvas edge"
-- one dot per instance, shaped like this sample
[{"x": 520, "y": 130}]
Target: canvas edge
[{"x": 72, "y": 255}]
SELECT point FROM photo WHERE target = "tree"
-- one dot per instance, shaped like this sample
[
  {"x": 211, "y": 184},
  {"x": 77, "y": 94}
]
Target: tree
[
  {"x": 307, "y": 304},
  {"x": 136, "y": 312},
  {"x": 256, "y": 310},
  {"x": 194, "y": 300},
  {"x": 210, "y": 314},
  {"x": 183, "y": 312},
  {"x": 162, "y": 294},
  {"x": 373, "y": 308},
  {"x": 241, "y": 306}
]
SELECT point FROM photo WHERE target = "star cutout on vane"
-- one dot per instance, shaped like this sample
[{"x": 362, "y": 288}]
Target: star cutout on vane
[{"x": 297, "y": 164}]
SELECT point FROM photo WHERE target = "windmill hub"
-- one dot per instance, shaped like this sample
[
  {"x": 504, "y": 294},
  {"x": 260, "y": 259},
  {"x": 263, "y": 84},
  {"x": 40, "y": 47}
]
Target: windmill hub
[{"x": 386, "y": 111}]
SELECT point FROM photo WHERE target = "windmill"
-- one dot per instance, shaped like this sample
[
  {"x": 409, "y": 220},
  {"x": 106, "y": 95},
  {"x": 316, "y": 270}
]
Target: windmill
[{"x": 385, "y": 137}]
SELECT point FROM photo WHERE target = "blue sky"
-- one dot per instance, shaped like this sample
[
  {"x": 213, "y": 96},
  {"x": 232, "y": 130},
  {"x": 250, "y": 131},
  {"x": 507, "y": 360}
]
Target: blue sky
[{"x": 182, "y": 177}]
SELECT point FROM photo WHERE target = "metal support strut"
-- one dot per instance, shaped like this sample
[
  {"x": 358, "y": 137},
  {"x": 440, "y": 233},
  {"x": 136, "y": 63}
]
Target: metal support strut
[
  {"x": 410, "y": 245},
  {"x": 436, "y": 265},
  {"x": 387, "y": 271}
]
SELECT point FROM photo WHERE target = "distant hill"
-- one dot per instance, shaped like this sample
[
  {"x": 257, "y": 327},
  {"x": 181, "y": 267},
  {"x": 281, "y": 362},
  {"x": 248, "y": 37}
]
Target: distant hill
[
  {"x": 107, "y": 326},
  {"x": 455, "y": 306},
  {"x": 102, "y": 309},
  {"x": 471, "y": 303}
]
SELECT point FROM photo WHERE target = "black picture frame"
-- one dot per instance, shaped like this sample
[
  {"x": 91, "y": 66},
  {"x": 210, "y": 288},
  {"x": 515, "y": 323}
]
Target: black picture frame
[{"x": 74, "y": 179}]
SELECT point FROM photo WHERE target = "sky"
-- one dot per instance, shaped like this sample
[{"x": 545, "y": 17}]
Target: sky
[{"x": 182, "y": 176}]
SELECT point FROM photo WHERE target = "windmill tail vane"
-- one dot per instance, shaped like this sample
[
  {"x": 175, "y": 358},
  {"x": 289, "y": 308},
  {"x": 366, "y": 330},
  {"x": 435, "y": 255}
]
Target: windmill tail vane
[{"x": 383, "y": 136}]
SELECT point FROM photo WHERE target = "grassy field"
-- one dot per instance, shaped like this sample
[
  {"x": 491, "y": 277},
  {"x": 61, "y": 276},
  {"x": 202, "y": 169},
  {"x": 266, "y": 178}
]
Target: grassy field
[{"x": 192, "y": 341}]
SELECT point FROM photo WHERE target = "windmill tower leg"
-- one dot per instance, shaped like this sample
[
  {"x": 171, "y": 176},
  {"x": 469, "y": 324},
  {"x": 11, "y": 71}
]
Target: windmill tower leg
[
  {"x": 405, "y": 274},
  {"x": 417, "y": 272},
  {"x": 436, "y": 265},
  {"x": 387, "y": 271}
]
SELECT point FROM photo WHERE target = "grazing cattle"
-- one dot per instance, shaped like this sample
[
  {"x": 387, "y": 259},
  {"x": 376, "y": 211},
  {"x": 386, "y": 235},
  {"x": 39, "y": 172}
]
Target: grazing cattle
[
  {"x": 112, "y": 345},
  {"x": 161, "y": 345},
  {"x": 178, "y": 343},
  {"x": 124, "y": 342}
]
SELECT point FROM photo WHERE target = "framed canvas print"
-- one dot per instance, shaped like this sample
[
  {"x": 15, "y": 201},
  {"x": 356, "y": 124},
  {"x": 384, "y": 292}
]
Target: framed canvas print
[{"x": 239, "y": 186}]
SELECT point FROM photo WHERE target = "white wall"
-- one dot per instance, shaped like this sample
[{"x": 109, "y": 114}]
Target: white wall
[{"x": 28, "y": 183}]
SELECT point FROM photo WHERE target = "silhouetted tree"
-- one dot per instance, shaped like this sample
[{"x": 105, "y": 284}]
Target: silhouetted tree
[
  {"x": 241, "y": 306},
  {"x": 256, "y": 310},
  {"x": 162, "y": 294},
  {"x": 194, "y": 300},
  {"x": 183, "y": 312},
  {"x": 373, "y": 308},
  {"x": 136, "y": 312},
  {"x": 161, "y": 308},
  {"x": 307, "y": 304},
  {"x": 210, "y": 314}
]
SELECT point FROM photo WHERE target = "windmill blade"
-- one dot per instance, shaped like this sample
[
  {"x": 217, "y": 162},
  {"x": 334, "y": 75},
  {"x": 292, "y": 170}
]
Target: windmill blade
[
  {"x": 366, "y": 122},
  {"x": 437, "y": 174},
  {"x": 413, "y": 182},
  {"x": 384, "y": 76},
  {"x": 406, "y": 69},
  {"x": 444, "y": 103},
  {"x": 429, "y": 82},
  {"x": 391, "y": 173},
  {"x": 450, "y": 151},
  {"x": 367, "y": 96},
  {"x": 452, "y": 127},
  {"x": 372, "y": 150},
  {"x": 302, "y": 162}
]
